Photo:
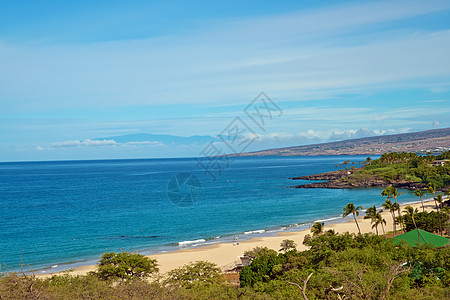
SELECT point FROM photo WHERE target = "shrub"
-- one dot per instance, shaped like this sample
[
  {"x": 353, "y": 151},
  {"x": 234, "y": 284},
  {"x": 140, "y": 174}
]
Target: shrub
[
  {"x": 287, "y": 245},
  {"x": 125, "y": 266},
  {"x": 428, "y": 221},
  {"x": 194, "y": 273}
]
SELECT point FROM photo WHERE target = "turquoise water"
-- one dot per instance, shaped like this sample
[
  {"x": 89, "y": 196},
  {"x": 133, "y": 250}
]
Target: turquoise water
[{"x": 62, "y": 214}]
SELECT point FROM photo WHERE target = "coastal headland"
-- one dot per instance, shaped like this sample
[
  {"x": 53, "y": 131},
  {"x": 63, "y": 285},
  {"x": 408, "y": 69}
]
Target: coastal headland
[
  {"x": 404, "y": 170},
  {"x": 340, "y": 180}
]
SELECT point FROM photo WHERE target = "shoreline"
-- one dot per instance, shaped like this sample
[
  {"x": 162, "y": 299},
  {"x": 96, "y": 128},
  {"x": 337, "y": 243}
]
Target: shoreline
[{"x": 225, "y": 254}]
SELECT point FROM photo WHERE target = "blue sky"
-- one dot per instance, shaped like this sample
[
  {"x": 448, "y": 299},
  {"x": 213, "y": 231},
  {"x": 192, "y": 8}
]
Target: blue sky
[{"x": 75, "y": 71}]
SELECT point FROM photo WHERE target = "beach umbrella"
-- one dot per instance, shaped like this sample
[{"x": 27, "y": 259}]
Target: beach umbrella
[{"x": 420, "y": 237}]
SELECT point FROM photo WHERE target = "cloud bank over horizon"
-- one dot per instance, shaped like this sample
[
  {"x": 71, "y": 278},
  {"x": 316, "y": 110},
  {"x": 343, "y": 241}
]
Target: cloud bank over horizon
[{"x": 193, "y": 146}]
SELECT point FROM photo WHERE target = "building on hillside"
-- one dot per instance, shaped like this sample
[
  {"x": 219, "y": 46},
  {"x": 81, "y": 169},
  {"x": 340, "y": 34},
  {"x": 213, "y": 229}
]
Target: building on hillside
[{"x": 440, "y": 162}]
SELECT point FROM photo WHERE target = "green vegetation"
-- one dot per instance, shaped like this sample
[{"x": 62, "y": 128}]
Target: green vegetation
[
  {"x": 392, "y": 207},
  {"x": 337, "y": 266},
  {"x": 194, "y": 274},
  {"x": 420, "y": 194},
  {"x": 317, "y": 228},
  {"x": 287, "y": 245},
  {"x": 375, "y": 218},
  {"x": 351, "y": 209},
  {"x": 392, "y": 192},
  {"x": 394, "y": 167},
  {"x": 125, "y": 266},
  {"x": 428, "y": 221},
  {"x": 357, "y": 266}
]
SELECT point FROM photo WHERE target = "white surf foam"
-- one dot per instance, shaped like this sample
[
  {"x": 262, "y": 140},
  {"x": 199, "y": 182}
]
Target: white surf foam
[
  {"x": 184, "y": 243},
  {"x": 255, "y": 231}
]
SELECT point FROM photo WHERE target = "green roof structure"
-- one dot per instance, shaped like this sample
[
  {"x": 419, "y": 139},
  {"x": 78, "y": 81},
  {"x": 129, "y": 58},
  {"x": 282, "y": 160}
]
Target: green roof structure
[{"x": 420, "y": 237}]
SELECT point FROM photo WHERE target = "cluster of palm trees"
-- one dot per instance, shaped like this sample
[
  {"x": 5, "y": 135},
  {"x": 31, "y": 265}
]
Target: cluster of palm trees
[
  {"x": 371, "y": 213},
  {"x": 438, "y": 199},
  {"x": 394, "y": 208},
  {"x": 347, "y": 163},
  {"x": 376, "y": 218},
  {"x": 392, "y": 192}
]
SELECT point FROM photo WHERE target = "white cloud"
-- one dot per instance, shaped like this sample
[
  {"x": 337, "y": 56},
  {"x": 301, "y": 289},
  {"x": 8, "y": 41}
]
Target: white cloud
[
  {"x": 314, "y": 136},
  {"x": 84, "y": 143},
  {"x": 100, "y": 143},
  {"x": 283, "y": 137}
]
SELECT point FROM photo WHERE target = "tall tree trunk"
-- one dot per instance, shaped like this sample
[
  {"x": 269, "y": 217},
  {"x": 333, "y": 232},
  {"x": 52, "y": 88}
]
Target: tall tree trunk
[
  {"x": 393, "y": 220},
  {"x": 354, "y": 217},
  {"x": 400, "y": 216},
  {"x": 439, "y": 216},
  {"x": 382, "y": 227},
  {"x": 423, "y": 208}
]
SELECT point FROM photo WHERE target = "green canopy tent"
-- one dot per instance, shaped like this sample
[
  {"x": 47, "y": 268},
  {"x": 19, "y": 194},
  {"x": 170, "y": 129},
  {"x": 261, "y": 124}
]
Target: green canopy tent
[{"x": 420, "y": 237}]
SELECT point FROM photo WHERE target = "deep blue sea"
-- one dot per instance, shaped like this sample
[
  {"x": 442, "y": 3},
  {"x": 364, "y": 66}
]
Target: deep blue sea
[{"x": 63, "y": 214}]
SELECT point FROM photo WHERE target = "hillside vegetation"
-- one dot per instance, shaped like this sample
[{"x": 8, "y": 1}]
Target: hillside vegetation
[
  {"x": 337, "y": 266},
  {"x": 399, "y": 169},
  {"x": 407, "y": 167}
]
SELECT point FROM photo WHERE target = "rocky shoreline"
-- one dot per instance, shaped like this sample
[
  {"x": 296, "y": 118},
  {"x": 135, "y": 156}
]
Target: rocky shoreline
[{"x": 340, "y": 180}]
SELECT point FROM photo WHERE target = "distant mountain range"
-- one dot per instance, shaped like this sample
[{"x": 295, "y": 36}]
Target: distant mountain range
[
  {"x": 436, "y": 140},
  {"x": 160, "y": 138}
]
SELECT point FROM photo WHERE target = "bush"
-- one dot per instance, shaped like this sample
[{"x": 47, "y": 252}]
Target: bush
[
  {"x": 194, "y": 273},
  {"x": 78, "y": 287},
  {"x": 428, "y": 221},
  {"x": 263, "y": 269},
  {"x": 259, "y": 251},
  {"x": 125, "y": 266},
  {"x": 287, "y": 245}
]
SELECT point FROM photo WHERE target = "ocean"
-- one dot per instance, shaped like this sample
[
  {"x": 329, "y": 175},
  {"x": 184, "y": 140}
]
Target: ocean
[{"x": 58, "y": 215}]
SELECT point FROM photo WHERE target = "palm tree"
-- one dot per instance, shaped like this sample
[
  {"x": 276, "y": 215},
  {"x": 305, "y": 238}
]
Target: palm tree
[
  {"x": 447, "y": 193},
  {"x": 371, "y": 213},
  {"x": 409, "y": 210},
  {"x": 391, "y": 207},
  {"x": 317, "y": 228},
  {"x": 387, "y": 192},
  {"x": 446, "y": 212},
  {"x": 393, "y": 192},
  {"x": 351, "y": 209},
  {"x": 431, "y": 187},
  {"x": 420, "y": 194},
  {"x": 379, "y": 221},
  {"x": 439, "y": 200}
]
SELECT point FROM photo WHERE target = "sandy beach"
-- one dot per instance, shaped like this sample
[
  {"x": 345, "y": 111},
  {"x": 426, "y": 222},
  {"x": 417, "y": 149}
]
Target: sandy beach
[{"x": 225, "y": 255}]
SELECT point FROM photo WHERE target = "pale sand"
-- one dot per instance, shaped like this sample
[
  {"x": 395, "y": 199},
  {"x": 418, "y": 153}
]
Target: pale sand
[{"x": 226, "y": 254}]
